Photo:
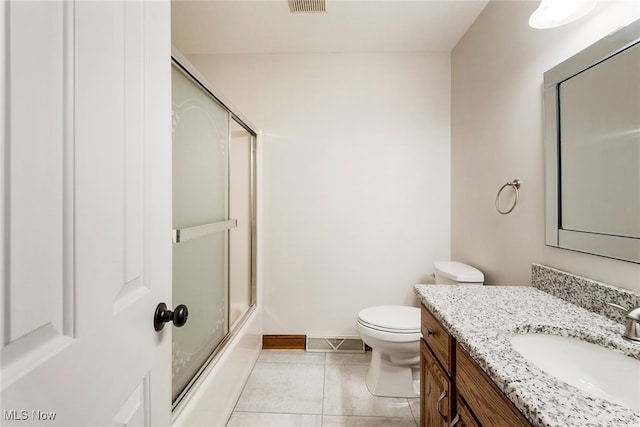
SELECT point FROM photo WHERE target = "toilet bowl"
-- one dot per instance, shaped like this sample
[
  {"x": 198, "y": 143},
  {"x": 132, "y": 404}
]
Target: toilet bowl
[{"x": 393, "y": 333}]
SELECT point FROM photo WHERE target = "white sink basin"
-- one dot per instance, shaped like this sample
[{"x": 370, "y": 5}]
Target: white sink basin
[{"x": 594, "y": 369}]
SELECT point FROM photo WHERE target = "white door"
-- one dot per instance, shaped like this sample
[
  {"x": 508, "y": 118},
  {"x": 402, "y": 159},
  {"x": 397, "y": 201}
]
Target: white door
[{"x": 86, "y": 212}]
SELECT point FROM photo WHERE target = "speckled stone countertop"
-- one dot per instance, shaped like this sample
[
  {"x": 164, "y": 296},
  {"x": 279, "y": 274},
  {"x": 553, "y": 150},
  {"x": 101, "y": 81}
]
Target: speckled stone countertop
[{"x": 483, "y": 318}]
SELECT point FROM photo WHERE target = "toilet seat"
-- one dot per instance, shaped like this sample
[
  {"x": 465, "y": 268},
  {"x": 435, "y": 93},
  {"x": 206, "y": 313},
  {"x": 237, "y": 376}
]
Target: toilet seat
[{"x": 396, "y": 319}]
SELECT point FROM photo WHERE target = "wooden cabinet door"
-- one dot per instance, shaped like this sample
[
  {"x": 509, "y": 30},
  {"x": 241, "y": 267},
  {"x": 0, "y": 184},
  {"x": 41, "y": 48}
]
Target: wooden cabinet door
[
  {"x": 464, "y": 417},
  {"x": 435, "y": 397}
]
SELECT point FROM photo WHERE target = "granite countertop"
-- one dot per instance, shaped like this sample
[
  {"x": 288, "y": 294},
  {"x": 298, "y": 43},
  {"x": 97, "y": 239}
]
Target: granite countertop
[{"x": 483, "y": 318}]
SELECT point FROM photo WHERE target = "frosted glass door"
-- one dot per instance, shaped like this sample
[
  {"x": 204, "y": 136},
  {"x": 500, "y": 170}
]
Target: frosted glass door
[{"x": 200, "y": 198}]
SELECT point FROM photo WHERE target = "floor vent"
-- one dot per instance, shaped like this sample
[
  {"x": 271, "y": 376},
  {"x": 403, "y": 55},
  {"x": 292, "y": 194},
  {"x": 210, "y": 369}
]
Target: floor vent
[
  {"x": 307, "y": 6},
  {"x": 335, "y": 344}
]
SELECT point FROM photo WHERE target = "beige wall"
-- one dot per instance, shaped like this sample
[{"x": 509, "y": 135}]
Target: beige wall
[
  {"x": 356, "y": 177},
  {"x": 496, "y": 135}
]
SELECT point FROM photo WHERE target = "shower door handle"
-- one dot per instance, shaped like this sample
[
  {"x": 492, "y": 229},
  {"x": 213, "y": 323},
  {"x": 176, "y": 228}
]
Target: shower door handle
[{"x": 163, "y": 315}]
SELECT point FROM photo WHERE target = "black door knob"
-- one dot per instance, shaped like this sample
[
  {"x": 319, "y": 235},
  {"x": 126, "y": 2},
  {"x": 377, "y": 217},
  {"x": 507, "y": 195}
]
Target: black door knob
[{"x": 163, "y": 315}]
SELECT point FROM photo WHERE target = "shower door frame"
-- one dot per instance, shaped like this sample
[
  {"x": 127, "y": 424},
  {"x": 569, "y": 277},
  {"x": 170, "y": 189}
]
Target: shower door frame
[{"x": 183, "y": 65}]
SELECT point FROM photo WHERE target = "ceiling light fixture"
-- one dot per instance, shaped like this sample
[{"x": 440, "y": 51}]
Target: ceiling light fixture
[{"x": 554, "y": 13}]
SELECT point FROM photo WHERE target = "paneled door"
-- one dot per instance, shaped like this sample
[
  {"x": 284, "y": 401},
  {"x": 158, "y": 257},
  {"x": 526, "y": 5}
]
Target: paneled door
[{"x": 86, "y": 212}]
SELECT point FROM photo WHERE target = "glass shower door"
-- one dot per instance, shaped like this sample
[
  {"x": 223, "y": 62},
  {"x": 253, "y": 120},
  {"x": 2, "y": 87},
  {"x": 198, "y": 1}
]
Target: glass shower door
[
  {"x": 242, "y": 291},
  {"x": 200, "y": 221}
]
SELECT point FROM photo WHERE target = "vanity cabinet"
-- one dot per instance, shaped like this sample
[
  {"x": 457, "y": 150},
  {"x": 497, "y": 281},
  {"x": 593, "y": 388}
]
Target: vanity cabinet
[{"x": 454, "y": 391}]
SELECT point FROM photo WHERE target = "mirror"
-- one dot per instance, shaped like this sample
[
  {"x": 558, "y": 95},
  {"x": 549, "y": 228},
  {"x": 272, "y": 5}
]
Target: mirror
[{"x": 592, "y": 148}]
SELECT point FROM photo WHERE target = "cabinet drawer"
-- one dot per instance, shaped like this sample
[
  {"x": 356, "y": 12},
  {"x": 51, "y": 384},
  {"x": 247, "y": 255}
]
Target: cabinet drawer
[
  {"x": 438, "y": 339},
  {"x": 490, "y": 406}
]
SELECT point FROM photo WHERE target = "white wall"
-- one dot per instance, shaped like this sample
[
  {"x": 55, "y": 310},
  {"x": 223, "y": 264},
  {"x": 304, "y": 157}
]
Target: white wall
[
  {"x": 497, "y": 73},
  {"x": 356, "y": 178}
]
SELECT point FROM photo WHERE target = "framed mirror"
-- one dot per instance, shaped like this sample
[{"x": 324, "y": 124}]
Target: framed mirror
[{"x": 592, "y": 148}]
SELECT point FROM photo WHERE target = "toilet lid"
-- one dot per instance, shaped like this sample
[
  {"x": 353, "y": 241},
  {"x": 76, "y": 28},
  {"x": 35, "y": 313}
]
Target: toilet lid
[{"x": 391, "y": 318}]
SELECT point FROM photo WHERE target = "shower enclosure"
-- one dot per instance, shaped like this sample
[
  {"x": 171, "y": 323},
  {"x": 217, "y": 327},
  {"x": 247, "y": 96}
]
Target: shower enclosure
[{"x": 214, "y": 222}]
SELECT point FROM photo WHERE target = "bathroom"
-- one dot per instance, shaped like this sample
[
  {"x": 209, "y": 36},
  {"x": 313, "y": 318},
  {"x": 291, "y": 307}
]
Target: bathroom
[
  {"x": 367, "y": 152},
  {"x": 376, "y": 163}
]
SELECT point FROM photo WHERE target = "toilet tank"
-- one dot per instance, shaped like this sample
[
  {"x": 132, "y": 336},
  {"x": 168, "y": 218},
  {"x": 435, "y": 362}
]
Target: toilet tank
[{"x": 457, "y": 273}]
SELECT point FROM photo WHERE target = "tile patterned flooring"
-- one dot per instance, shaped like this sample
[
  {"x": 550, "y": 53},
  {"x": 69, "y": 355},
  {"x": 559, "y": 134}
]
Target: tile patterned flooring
[{"x": 296, "y": 388}]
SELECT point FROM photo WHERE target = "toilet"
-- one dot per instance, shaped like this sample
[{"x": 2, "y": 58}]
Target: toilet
[{"x": 393, "y": 333}]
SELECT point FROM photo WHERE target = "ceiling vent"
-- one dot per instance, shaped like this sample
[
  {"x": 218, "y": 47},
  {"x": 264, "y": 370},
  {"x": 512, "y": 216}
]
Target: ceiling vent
[{"x": 307, "y": 6}]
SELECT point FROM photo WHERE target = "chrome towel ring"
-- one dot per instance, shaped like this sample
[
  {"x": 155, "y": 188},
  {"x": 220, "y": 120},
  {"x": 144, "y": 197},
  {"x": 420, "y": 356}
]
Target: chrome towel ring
[{"x": 515, "y": 184}]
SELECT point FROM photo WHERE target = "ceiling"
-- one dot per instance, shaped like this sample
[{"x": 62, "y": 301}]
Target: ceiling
[{"x": 267, "y": 26}]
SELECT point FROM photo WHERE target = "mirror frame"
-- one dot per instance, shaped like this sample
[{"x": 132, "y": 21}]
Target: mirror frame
[{"x": 618, "y": 247}]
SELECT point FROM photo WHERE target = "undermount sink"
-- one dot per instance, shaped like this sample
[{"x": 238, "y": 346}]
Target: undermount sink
[{"x": 597, "y": 370}]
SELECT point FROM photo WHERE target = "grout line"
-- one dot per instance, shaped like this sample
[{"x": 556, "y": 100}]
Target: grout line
[
  {"x": 324, "y": 387},
  {"x": 277, "y": 413}
]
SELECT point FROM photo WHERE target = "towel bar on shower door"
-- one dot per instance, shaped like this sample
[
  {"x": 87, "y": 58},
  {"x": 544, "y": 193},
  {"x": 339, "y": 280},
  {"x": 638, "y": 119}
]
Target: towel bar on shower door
[{"x": 190, "y": 233}]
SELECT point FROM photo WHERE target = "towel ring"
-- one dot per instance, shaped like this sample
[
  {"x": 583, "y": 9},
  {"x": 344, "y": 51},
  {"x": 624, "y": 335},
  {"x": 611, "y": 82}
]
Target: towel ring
[{"x": 515, "y": 184}]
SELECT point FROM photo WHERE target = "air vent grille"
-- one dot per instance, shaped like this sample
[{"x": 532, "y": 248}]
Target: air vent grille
[
  {"x": 334, "y": 344},
  {"x": 307, "y": 6}
]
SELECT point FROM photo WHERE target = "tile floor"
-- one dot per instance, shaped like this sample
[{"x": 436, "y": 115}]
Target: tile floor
[{"x": 296, "y": 388}]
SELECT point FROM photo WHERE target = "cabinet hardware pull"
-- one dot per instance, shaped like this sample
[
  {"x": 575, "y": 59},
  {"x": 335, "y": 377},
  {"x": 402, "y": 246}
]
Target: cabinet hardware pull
[
  {"x": 442, "y": 396},
  {"x": 455, "y": 420},
  {"x": 429, "y": 332}
]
